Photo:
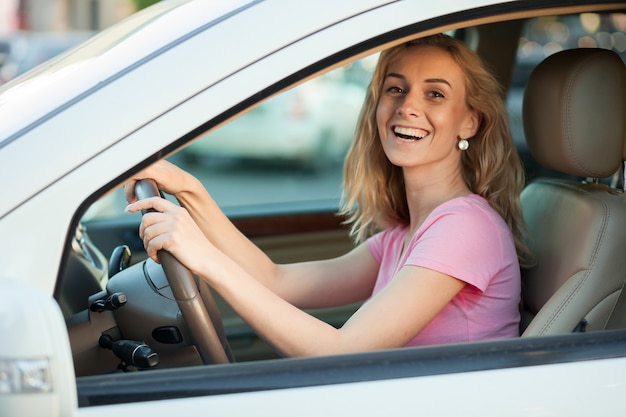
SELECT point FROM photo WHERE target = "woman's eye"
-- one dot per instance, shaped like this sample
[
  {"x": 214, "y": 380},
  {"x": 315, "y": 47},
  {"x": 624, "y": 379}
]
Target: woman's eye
[
  {"x": 395, "y": 90},
  {"x": 435, "y": 94}
]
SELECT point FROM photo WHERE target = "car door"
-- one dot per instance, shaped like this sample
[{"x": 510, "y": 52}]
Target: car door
[{"x": 516, "y": 377}]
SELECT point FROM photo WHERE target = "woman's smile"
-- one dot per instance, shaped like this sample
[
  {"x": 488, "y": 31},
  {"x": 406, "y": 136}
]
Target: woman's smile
[{"x": 409, "y": 133}]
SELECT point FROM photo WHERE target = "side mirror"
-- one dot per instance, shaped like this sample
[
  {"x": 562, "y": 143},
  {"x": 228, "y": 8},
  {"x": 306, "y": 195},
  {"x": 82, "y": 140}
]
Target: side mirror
[{"x": 36, "y": 368}]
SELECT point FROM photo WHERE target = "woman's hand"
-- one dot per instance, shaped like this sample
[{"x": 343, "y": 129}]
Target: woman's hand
[
  {"x": 171, "y": 228},
  {"x": 168, "y": 177}
]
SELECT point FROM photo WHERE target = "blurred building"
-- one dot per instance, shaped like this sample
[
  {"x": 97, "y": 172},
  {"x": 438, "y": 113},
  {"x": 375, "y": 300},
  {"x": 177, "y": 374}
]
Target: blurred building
[{"x": 62, "y": 15}]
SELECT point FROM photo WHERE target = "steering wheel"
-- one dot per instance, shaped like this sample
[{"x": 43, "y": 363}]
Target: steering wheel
[{"x": 194, "y": 298}]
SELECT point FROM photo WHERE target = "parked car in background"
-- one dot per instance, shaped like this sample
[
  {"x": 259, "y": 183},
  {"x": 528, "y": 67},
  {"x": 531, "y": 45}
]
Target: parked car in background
[
  {"x": 316, "y": 122},
  {"x": 79, "y": 300},
  {"x": 25, "y": 50},
  {"x": 5, "y": 48}
]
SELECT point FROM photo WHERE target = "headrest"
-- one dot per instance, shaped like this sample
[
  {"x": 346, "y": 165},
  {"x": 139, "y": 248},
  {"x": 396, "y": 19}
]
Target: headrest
[{"x": 575, "y": 112}]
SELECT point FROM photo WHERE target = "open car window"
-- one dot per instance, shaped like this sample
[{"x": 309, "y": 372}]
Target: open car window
[
  {"x": 284, "y": 157},
  {"x": 280, "y": 164},
  {"x": 285, "y": 154}
]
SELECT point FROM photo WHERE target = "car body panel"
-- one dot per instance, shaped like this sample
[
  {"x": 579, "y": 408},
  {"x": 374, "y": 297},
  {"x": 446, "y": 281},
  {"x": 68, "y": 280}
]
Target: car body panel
[
  {"x": 549, "y": 389},
  {"x": 468, "y": 392}
]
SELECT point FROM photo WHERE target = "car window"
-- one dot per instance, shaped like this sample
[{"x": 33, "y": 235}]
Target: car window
[
  {"x": 285, "y": 155},
  {"x": 304, "y": 132},
  {"x": 294, "y": 161}
]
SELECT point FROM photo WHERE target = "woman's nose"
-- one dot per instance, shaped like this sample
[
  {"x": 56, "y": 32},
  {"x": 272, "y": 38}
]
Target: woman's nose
[{"x": 409, "y": 107}]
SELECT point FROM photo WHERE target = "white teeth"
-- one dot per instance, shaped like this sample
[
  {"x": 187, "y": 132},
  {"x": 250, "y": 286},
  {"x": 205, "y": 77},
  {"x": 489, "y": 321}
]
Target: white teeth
[{"x": 408, "y": 132}]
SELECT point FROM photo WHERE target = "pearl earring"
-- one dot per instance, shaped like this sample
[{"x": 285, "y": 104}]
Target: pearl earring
[{"x": 463, "y": 144}]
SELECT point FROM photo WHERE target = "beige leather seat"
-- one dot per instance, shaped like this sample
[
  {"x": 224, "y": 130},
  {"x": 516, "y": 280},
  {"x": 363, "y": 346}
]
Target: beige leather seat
[
  {"x": 575, "y": 123},
  {"x": 617, "y": 320}
]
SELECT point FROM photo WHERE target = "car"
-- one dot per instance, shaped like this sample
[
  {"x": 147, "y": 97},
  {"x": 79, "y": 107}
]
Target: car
[
  {"x": 318, "y": 125},
  {"x": 90, "y": 327},
  {"x": 26, "y": 50},
  {"x": 5, "y": 48}
]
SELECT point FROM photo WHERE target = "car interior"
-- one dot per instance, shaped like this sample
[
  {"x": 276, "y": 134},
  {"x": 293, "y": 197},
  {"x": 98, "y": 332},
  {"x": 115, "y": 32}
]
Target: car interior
[
  {"x": 114, "y": 300},
  {"x": 578, "y": 272}
]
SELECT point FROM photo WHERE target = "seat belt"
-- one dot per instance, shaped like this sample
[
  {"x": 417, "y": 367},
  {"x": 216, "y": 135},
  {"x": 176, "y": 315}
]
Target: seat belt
[{"x": 617, "y": 319}]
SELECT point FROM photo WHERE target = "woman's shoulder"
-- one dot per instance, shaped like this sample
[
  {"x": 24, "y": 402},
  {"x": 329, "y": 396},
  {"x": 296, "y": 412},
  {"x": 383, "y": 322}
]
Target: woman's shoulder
[
  {"x": 471, "y": 207},
  {"x": 470, "y": 218},
  {"x": 464, "y": 201}
]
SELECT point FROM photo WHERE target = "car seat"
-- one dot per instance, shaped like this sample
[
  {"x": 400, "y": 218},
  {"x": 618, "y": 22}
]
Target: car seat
[
  {"x": 617, "y": 319},
  {"x": 574, "y": 120}
]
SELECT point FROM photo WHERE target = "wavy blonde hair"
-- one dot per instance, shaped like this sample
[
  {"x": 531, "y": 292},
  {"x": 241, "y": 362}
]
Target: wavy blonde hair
[{"x": 374, "y": 196}]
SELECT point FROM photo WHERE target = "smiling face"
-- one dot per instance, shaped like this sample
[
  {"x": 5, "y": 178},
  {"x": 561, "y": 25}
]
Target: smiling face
[{"x": 422, "y": 111}]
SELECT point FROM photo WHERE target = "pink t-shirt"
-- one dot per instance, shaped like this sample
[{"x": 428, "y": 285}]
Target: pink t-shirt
[{"x": 467, "y": 239}]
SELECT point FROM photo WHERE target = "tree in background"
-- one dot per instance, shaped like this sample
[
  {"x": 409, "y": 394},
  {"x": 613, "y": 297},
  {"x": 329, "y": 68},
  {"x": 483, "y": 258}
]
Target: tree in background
[{"x": 142, "y": 4}]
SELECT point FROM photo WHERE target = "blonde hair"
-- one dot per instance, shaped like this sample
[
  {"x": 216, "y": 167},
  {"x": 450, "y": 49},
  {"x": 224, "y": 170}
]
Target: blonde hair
[{"x": 374, "y": 196}]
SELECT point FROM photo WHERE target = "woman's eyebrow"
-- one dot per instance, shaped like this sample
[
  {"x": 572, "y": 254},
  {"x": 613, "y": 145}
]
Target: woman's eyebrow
[
  {"x": 396, "y": 75},
  {"x": 438, "y": 80},
  {"x": 428, "y": 80}
]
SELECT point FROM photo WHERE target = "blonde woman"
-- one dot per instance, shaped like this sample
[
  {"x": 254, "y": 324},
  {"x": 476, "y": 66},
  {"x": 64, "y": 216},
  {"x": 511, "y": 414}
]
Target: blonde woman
[{"x": 431, "y": 188}]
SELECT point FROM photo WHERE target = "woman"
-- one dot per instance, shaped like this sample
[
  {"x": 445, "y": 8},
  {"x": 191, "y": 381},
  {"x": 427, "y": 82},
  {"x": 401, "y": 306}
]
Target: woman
[{"x": 432, "y": 171}]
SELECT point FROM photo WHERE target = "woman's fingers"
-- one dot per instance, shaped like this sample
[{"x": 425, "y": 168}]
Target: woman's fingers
[
  {"x": 129, "y": 191},
  {"x": 161, "y": 172},
  {"x": 166, "y": 226},
  {"x": 155, "y": 203},
  {"x": 160, "y": 211},
  {"x": 154, "y": 241}
]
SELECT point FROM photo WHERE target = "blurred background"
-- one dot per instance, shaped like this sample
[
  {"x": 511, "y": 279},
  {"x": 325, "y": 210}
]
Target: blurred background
[
  {"x": 33, "y": 31},
  {"x": 64, "y": 15}
]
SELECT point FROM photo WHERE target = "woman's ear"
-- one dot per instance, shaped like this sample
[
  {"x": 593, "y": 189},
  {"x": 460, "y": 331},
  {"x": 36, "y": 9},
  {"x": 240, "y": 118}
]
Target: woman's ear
[{"x": 470, "y": 126}]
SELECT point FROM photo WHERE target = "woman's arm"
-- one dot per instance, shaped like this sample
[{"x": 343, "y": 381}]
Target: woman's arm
[
  {"x": 314, "y": 284},
  {"x": 390, "y": 319}
]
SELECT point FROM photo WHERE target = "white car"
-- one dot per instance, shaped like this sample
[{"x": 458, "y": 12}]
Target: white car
[{"x": 88, "y": 330}]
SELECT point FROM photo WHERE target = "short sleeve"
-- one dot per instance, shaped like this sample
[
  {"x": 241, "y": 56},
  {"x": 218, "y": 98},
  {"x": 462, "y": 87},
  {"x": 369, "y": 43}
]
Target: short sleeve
[{"x": 465, "y": 241}]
